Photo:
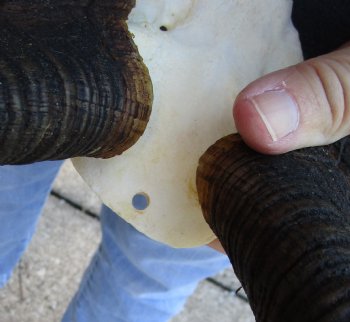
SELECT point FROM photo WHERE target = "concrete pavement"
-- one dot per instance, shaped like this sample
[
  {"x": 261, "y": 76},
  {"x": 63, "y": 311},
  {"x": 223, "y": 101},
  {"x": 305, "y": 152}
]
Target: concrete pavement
[{"x": 67, "y": 236}]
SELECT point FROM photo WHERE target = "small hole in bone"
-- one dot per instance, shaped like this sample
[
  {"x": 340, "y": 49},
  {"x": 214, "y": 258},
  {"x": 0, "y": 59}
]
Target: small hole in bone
[
  {"x": 163, "y": 28},
  {"x": 140, "y": 201}
]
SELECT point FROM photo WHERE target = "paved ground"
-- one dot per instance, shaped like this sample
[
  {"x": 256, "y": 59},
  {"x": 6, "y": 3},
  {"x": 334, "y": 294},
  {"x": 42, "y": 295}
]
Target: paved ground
[{"x": 67, "y": 236}]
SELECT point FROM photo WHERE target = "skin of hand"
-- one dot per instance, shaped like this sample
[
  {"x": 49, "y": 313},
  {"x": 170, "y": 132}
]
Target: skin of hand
[{"x": 300, "y": 106}]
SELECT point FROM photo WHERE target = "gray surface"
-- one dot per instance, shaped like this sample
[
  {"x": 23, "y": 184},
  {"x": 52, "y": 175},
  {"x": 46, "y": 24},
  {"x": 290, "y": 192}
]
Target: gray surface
[
  {"x": 211, "y": 304},
  {"x": 49, "y": 273},
  {"x": 69, "y": 184},
  {"x": 229, "y": 279}
]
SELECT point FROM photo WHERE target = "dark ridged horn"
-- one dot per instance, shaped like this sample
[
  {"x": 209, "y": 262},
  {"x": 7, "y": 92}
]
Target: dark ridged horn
[
  {"x": 71, "y": 80},
  {"x": 284, "y": 222}
]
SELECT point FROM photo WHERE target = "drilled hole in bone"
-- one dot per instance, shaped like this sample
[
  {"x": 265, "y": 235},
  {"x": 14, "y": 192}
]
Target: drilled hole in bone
[
  {"x": 140, "y": 201},
  {"x": 163, "y": 28}
]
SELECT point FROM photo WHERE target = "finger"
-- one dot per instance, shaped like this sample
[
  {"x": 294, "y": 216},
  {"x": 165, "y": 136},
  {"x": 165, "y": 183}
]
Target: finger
[
  {"x": 215, "y": 244},
  {"x": 304, "y": 105}
]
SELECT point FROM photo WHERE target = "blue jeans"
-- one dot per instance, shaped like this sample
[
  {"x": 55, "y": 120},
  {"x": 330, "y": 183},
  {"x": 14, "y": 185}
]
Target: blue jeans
[{"x": 130, "y": 278}]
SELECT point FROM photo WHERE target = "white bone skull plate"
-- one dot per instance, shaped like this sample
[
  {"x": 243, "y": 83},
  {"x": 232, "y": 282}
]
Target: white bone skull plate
[{"x": 200, "y": 54}]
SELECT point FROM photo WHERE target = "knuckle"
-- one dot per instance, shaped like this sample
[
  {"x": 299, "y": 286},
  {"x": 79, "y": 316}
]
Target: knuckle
[{"x": 332, "y": 92}]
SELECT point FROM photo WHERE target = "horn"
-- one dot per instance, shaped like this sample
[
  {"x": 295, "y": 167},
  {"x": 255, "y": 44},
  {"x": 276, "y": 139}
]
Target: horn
[
  {"x": 284, "y": 222},
  {"x": 72, "y": 82}
]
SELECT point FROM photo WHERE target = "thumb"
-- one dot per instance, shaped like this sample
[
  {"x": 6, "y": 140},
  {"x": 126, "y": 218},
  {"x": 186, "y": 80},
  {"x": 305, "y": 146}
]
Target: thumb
[{"x": 304, "y": 105}]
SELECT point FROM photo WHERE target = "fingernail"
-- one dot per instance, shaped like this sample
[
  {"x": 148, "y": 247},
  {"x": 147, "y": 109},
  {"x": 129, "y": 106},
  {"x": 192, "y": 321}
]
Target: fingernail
[{"x": 279, "y": 112}]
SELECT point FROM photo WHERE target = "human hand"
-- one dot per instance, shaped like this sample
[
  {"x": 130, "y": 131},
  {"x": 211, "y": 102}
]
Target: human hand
[{"x": 300, "y": 106}]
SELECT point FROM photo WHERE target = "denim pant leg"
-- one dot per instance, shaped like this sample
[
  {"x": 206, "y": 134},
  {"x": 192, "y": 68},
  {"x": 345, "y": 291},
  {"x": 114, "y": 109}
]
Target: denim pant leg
[
  {"x": 23, "y": 192},
  {"x": 133, "y": 278}
]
